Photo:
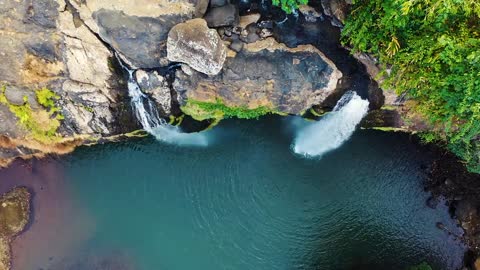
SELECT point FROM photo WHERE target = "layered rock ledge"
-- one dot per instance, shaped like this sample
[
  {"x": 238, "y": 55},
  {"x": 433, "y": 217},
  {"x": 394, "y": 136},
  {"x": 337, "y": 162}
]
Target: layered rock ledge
[{"x": 264, "y": 74}]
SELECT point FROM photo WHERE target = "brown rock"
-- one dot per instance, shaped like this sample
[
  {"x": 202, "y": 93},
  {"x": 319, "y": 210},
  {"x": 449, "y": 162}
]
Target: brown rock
[
  {"x": 14, "y": 216},
  {"x": 268, "y": 74}
]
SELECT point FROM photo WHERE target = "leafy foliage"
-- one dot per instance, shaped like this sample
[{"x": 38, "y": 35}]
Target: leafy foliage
[
  {"x": 206, "y": 110},
  {"x": 432, "y": 51},
  {"x": 289, "y": 5}
]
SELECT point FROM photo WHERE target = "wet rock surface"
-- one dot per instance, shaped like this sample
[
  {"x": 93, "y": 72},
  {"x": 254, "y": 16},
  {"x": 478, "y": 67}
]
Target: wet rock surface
[
  {"x": 448, "y": 179},
  {"x": 14, "y": 216},
  {"x": 157, "y": 86},
  {"x": 265, "y": 74},
  {"x": 73, "y": 46}
]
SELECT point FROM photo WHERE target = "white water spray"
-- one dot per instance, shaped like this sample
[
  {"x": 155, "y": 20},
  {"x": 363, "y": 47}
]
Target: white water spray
[
  {"x": 147, "y": 113},
  {"x": 316, "y": 139}
]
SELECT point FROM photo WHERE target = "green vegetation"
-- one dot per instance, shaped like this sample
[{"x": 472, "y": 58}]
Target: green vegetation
[
  {"x": 176, "y": 121},
  {"x": 422, "y": 266},
  {"x": 206, "y": 110},
  {"x": 431, "y": 50},
  {"x": 388, "y": 129},
  {"x": 42, "y": 124},
  {"x": 289, "y": 5}
]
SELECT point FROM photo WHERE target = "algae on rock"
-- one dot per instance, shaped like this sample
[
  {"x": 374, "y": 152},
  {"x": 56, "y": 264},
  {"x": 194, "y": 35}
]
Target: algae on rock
[
  {"x": 14, "y": 216},
  {"x": 41, "y": 124},
  {"x": 217, "y": 110}
]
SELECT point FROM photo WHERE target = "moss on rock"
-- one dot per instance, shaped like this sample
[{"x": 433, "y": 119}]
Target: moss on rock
[
  {"x": 41, "y": 124},
  {"x": 14, "y": 216},
  {"x": 218, "y": 110}
]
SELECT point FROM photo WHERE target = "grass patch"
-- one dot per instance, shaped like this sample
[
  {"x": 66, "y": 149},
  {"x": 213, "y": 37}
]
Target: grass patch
[
  {"x": 41, "y": 124},
  {"x": 200, "y": 110}
]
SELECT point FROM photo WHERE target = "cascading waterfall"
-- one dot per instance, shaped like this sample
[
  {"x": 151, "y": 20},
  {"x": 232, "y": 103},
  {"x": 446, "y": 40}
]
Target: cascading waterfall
[
  {"x": 316, "y": 139},
  {"x": 145, "y": 110},
  {"x": 147, "y": 113}
]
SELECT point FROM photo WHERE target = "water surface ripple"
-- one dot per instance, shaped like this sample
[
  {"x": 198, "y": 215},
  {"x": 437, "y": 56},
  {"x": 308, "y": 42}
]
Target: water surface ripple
[{"x": 247, "y": 202}]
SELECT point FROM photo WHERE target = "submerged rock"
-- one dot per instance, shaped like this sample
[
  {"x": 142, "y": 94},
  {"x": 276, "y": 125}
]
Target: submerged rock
[
  {"x": 265, "y": 74},
  {"x": 115, "y": 260},
  {"x": 14, "y": 216},
  {"x": 198, "y": 46}
]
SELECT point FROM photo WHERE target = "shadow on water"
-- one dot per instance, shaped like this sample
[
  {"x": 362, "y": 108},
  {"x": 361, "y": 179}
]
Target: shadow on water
[
  {"x": 245, "y": 202},
  {"x": 295, "y": 30}
]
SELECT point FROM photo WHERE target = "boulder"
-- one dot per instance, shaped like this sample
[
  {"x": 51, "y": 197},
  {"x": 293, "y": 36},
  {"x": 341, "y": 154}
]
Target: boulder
[
  {"x": 265, "y": 74},
  {"x": 222, "y": 16},
  {"x": 198, "y": 46},
  {"x": 201, "y": 8},
  {"x": 137, "y": 30},
  {"x": 14, "y": 217},
  {"x": 156, "y": 86}
]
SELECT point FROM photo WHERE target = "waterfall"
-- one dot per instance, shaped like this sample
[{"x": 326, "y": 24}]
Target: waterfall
[
  {"x": 316, "y": 139},
  {"x": 145, "y": 109},
  {"x": 147, "y": 113}
]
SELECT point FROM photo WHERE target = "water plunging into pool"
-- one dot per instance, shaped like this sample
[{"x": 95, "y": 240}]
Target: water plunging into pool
[{"x": 147, "y": 114}]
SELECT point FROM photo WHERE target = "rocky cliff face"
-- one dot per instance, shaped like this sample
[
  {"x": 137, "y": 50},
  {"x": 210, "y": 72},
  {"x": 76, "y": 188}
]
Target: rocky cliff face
[
  {"x": 62, "y": 85},
  {"x": 265, "y": 74}
]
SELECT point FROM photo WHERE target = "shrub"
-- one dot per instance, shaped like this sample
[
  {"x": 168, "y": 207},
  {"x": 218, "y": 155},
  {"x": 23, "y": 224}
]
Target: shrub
[{"x": 433, "y": 50}]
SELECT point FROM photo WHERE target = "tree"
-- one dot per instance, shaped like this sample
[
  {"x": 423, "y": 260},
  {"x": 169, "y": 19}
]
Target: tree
[{"x": 433, "y": 50}]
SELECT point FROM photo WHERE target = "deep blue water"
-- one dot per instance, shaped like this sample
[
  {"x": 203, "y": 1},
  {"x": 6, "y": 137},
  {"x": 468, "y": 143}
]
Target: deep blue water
[{"x": 247, "y": 202}]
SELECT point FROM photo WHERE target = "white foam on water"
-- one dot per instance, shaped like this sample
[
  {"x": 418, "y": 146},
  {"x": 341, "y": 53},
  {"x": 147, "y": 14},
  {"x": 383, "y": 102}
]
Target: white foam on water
[
  {"x": 334, "y": 129},
  {"x": 146, "y": 112}
]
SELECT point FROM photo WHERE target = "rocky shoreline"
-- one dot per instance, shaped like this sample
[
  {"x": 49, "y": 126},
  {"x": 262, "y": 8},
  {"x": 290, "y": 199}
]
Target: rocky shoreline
[
  {"x": 62, "y": 86},
  {"x": 245, "y": 54},
  {"x": 14, "y": 217},
  {"x": 449, "y": 181}
]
